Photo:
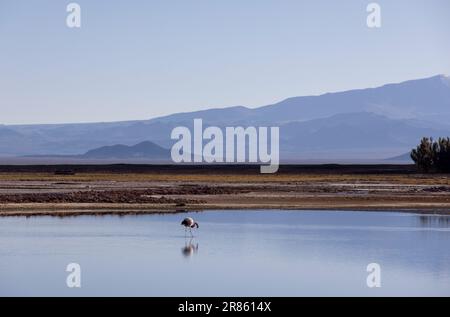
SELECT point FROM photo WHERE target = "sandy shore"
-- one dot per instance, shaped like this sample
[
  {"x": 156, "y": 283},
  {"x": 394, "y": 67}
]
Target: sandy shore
[{"x": 44, "y": 193}]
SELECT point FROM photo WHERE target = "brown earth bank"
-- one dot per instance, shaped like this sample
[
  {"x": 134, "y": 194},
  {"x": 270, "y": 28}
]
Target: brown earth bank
[
  {"x": 134, "y": 189},
  {"x": 215, "y": 168}
]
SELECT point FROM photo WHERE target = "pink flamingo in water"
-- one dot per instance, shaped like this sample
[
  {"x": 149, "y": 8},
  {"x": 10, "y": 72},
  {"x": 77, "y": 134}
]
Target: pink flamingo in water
[{"x": 189, "y": 223}]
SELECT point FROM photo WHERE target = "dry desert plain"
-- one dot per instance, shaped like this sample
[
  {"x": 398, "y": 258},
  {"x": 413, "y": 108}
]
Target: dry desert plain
[{"x": 130, "y": 189}]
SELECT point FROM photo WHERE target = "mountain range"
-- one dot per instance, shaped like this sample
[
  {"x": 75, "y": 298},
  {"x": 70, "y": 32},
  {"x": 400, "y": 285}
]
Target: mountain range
[
  {"x": 373, "y": 123},
  {"x": 143, "y": 150}
]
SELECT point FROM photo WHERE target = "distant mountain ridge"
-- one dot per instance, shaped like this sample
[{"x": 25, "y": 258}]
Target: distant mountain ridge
[
  {"x": 143, "y": 150},
  {"x": 425, "y": 99},
  {"x": 401, "y": 158},
  {"x": 375, "y": 122}
]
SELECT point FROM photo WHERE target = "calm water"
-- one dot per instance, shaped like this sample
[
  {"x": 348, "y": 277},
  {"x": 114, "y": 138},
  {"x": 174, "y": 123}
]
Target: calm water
[{"x": 234, "y": 253}]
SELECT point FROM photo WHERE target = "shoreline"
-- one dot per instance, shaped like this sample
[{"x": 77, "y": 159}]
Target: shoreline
[
  {"x": 125, "y": 189},
  {"x": 70, "y": 210}
]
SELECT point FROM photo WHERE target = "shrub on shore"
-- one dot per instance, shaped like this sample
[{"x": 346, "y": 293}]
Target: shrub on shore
[{"x": 432, "y": 156}]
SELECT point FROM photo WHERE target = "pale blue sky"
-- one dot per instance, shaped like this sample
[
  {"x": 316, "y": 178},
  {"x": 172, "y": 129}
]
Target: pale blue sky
[{"x": 141, "y": 59}]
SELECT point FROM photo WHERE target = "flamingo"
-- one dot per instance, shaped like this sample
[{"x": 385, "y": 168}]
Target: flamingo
[{"x": 189, "y": 223}]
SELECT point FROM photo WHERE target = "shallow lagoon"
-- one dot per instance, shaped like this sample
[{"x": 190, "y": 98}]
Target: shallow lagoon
[{"x": 234, "y": 253}]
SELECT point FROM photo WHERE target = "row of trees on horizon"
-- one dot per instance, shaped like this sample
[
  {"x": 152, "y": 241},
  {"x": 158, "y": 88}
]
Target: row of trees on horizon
[{"x": 432, "y": 155}]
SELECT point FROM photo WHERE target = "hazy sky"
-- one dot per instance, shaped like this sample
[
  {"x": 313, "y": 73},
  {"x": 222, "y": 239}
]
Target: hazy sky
[{"x": 141, "y": 59}]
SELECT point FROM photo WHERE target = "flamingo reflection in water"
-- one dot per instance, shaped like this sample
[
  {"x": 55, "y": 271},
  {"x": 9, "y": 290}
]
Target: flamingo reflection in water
[{"x": 189, "y": 248}]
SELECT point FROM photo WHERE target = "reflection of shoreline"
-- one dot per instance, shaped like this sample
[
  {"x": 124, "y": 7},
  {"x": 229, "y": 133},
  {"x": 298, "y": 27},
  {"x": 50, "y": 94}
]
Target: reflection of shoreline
[
  {"x": 189, "y": 248},
  {"x": 440, "y": 221}
]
